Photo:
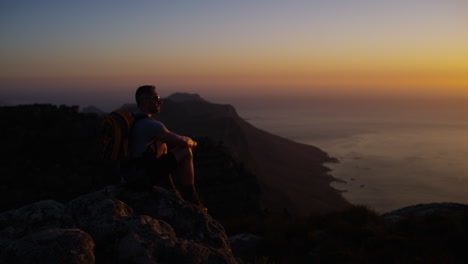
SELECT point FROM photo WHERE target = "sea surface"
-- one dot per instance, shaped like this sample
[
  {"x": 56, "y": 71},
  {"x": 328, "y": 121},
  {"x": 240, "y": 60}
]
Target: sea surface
[{"x": 391, "y": 154}]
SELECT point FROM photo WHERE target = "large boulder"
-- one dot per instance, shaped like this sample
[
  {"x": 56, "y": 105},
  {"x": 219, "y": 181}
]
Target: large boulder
[
  {"x": 101, "y": 215},
  {"x": 196, "y": 230},
  {"x": 247, "y": 246},
  {"x": 32, "y": 218},
  {"x": 71, "y": 246},
  {"x": 162, "y": 228},
  {"x": 152, "y": 241}
]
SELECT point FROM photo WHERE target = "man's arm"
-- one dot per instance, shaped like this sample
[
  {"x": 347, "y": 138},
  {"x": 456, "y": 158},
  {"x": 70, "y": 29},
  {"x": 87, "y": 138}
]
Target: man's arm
[{"x": 176, "y": 140}]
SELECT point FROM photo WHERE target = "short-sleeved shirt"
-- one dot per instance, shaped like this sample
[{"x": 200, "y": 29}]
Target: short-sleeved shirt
[
  {"x": 144, "y": 133},
  {"x": 156, "y": 171}
]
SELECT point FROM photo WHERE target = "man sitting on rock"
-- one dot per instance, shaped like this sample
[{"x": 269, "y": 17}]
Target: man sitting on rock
[{"x": 148, "y": 144}]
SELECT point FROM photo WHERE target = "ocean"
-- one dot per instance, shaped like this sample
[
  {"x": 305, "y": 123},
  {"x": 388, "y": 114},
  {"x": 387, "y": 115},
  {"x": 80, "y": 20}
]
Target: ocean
[{"x": 392, "y": 153}]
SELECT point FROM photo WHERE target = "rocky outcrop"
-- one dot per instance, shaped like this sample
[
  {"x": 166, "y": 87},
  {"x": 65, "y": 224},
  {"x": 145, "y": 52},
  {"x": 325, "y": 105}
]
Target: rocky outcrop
[
  {"x": 51, "y": 246},
  {"x": 455, "y": 211},
  {"x": 246, "y": 246},
  {"x": 103, "y": 227}
]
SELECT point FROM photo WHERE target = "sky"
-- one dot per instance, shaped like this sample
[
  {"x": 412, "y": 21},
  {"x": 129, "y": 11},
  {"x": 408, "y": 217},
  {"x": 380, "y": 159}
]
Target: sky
[{"x": 98, "y": 52}]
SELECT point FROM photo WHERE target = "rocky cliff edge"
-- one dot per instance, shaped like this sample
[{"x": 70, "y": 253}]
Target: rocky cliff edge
[{"x": 113, "y": 225}]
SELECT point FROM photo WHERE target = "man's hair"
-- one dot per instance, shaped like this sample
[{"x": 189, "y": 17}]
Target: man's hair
[{"x": 143, "y": 91}]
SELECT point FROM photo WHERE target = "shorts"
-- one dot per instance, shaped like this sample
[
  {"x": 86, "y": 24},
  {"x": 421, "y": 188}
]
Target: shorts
[
  {"x": 164, "y": 164},
  {"x": 147, "y": 171}
]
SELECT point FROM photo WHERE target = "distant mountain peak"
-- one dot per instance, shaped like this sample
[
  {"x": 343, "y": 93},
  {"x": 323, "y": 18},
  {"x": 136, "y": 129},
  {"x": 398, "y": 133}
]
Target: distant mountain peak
[
  {"x": 185, "y": 97},
  {"x": 92, "y": 110}
]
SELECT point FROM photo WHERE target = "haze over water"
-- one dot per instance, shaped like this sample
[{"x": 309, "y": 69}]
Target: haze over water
[
  {"x": 392, "y": 153},
  {"x": 398, "y": 151}
]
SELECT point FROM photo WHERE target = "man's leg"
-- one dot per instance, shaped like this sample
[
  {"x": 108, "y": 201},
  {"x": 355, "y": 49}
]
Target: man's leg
[
  {"x": 163, "y": 179},
  {"x": 184, "y": 158}
]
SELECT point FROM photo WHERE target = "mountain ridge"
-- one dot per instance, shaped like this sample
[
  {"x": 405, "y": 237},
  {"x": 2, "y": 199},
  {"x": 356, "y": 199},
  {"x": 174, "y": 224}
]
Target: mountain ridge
[
  {"x": 291, "y": 175},
  {"x": 47, "y": 157}
]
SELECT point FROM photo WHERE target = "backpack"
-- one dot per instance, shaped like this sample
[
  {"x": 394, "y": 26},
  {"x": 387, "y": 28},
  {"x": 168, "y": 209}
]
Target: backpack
[{"x": 116, "y": 130}]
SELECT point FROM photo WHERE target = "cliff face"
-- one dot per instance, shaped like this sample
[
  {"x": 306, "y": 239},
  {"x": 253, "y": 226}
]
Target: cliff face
[
  {"x": 149, "y": 227},
  {"x": 291, "y": 175}
]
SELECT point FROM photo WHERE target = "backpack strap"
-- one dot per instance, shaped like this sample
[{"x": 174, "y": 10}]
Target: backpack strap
[
  {"x": 109, "y": 147},
  {"x": 126, "y": 121}
]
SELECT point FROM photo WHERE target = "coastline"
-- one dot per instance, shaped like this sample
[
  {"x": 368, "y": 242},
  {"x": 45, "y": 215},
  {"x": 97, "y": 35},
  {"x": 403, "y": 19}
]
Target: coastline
[
  {"x": 295, "y": 169},
  {"x": 292, "y": 175},
  {"x": 385, "y": 166}
]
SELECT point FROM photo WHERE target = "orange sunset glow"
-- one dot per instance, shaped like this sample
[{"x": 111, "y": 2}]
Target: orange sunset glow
[
  {"x": 234, "y": 131},
  {"x": 337, "y": 47}
]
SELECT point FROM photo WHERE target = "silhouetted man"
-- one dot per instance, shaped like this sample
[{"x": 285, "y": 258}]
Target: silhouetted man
[{"x": 148, "y": 143}]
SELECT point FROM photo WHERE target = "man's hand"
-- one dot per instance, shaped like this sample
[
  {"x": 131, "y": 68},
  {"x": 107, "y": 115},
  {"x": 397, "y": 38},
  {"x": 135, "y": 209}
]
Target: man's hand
[{"x": 191, "y": 143}]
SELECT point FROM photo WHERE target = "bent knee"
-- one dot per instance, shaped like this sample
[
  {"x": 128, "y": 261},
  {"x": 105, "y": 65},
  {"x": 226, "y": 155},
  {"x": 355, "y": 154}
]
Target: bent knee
[{"x": 182, "y": 153}]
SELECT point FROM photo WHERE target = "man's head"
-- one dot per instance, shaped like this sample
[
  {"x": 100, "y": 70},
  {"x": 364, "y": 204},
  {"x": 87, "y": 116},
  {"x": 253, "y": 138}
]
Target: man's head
[{"x": 148, "y": 100}]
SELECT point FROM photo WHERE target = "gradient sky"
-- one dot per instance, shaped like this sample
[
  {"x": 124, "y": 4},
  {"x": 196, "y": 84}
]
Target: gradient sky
[{"x": 86, "y": 51}]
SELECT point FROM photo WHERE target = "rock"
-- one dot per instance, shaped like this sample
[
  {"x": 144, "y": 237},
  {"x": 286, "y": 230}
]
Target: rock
[
  {"x": 35, "y": 217},
  {"x": 101, "y": 215},
  {"x": 162, "y": 228},
  {"x": 453, "y": 210},
  {"x": 199, "y": 240},
  {"x": 246, "y": 246},
  {"x": 166, "y": 205},
  {"x": 152, "y": 241},
  {"x": 143, "y": 231},
  {"x": 51, "y": 246}
]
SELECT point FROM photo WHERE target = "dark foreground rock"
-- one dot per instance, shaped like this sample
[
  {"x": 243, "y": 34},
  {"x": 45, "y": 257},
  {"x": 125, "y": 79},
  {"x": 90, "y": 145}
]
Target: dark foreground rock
[
  {"x": 113, "y": 226},
  {"x": 453, "y": 211},
  {"x": 51, "y": 246},
  {"x": 247, "y": 246}
]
